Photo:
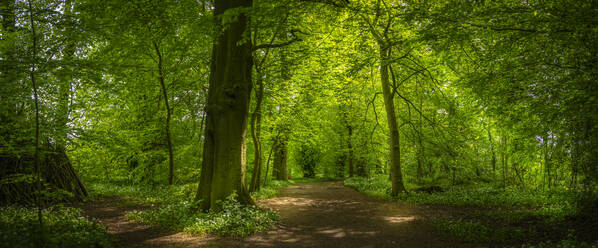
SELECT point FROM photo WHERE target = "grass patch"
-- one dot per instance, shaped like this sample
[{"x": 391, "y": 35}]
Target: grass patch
[
  {"x": 551, "y": 204},
  {"x": 476, "y": 232},
  {"x": 143, "y": 194},
  {"x": 63, "y": 227},
  {"x": 271, "y": 189},
  {"x": 490, "y": 215},
  {"x": 233, "y": 220},
  {"x": 567, "y": 243},
  {"x": 175, "y": 208}
]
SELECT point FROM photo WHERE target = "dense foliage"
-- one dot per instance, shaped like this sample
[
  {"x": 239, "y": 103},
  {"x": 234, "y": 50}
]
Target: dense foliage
[{"x": 494, "y": 100}]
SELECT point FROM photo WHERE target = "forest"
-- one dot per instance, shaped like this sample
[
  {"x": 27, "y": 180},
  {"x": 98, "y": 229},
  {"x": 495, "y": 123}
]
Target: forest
[{"x": 298, "y": 123}]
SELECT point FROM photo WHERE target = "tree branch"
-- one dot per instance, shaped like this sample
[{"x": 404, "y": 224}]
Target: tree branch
[{"x": 286, "y": 43}]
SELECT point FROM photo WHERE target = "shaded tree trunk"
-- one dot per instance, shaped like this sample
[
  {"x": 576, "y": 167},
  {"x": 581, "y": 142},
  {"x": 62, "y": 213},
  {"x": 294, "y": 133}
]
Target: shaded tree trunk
[
  {"x": 279, "y": 169},
  {"x": 493, "y": 161},
  {"x": 268, "y": 161},
  {"x": 504, "y": 158},
  {"x": 223, "y": 165},
  {"x": 349, "y": 145},
  {"x": 64, "y": 88},
  {"x": 256, "y": 120},
  {"x": 168, "y": 114},
  {"x": 420, "y": 150}
]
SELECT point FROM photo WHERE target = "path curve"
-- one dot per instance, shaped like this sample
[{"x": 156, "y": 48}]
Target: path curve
[{"x": 317, "y": 214}]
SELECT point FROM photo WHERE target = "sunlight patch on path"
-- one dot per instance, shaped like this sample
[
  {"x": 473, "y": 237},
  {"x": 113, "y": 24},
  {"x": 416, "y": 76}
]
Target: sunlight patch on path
[{"x": 399, "y": 219}]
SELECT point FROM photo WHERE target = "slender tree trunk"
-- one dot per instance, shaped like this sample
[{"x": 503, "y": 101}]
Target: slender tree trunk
[
  {"x": 349, "y": 145},
  {"x": 256, "y": 119},
  {"x": 274, "y": 144},
  {"x": 168, "y": 115},
  {"x": 279, "y": 170},
  {"x": 504, "y": 158},
  {"x": 547, "y": 163},
  {"x": 37, "y": 168},
  {"x": 420, "y": 150},
  {"x": 492, "y": 151},
  {"x": 223, "y": 165},
  {"x": 64, "y": 89},
  {"x": 396, "y": 176}
]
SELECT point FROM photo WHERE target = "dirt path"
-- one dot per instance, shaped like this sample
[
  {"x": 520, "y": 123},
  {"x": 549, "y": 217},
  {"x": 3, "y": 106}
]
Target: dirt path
[{"x": 322, "y": 214}]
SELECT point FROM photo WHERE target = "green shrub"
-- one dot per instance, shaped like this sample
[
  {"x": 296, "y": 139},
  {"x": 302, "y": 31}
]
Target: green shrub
[
  {"x": 234, "y": 219},
  {"x": 63, "y": 227}
]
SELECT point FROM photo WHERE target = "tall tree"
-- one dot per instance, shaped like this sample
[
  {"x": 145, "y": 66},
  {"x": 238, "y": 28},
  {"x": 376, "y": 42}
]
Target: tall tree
[
  {"x": 385, "y": 46},
  {"x": 223, "y": 165}
]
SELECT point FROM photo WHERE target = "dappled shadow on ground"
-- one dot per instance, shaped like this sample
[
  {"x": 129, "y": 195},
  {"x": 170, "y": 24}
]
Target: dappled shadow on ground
[
  {"x": 327, "y": 214},
  {"x": 111, "y": 213},
  {"x": 320, "y": 214}
]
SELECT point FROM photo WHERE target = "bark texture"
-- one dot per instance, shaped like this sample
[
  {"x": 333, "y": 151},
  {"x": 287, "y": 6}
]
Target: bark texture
[{"x": 223, "y": 165}]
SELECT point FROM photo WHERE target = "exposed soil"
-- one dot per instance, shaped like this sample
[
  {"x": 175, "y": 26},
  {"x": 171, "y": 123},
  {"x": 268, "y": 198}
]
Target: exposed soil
[{"x": 319, "y": 214}]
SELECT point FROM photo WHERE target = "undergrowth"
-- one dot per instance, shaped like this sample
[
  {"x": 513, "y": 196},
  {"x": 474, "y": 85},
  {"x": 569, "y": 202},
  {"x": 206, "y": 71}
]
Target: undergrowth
[
  {"x": 174, "y": 208},
  {"x": 63, "y": 227},
  {"x": 143, "y": 194},
  {"x": 234, "y": 219},
  {"x": 271, "y": 189},
  {"x": 491, "y": 215}
]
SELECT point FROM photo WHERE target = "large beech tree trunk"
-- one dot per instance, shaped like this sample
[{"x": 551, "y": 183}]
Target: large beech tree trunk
[
  {"x": 223, "y": 165},
  {"x": 396, "y": 176}
]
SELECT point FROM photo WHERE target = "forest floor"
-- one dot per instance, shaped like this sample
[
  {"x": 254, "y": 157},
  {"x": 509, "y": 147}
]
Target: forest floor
[{"x": 315, "y": 214}]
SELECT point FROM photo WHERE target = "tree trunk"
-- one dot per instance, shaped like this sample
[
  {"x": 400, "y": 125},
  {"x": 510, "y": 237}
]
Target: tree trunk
[
  {"x": 36, "y": 155},
  {"x": 396, "y": 176},
  {"x": 223, "y": 165},
  {"x": 279, "y": 170},
  {"x": 420, "y": 150},
  {"x": 256, "y": 119},
  {"x": 504, "y": 158},
  {"x": 168, "y": 115},
  {"x": 268, "y": 161},
  {"x": 64, "y": 87},
  {"x": 349, "y": 146},
  {"x": 547, "y": 164},
  {"x": 492, "y": 151}
]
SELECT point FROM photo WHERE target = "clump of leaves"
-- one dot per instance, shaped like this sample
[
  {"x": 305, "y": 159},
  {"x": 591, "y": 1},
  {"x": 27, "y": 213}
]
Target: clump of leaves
[
  {"x": 63, "y": 227},
  {"x": 233, "y": 219}
]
